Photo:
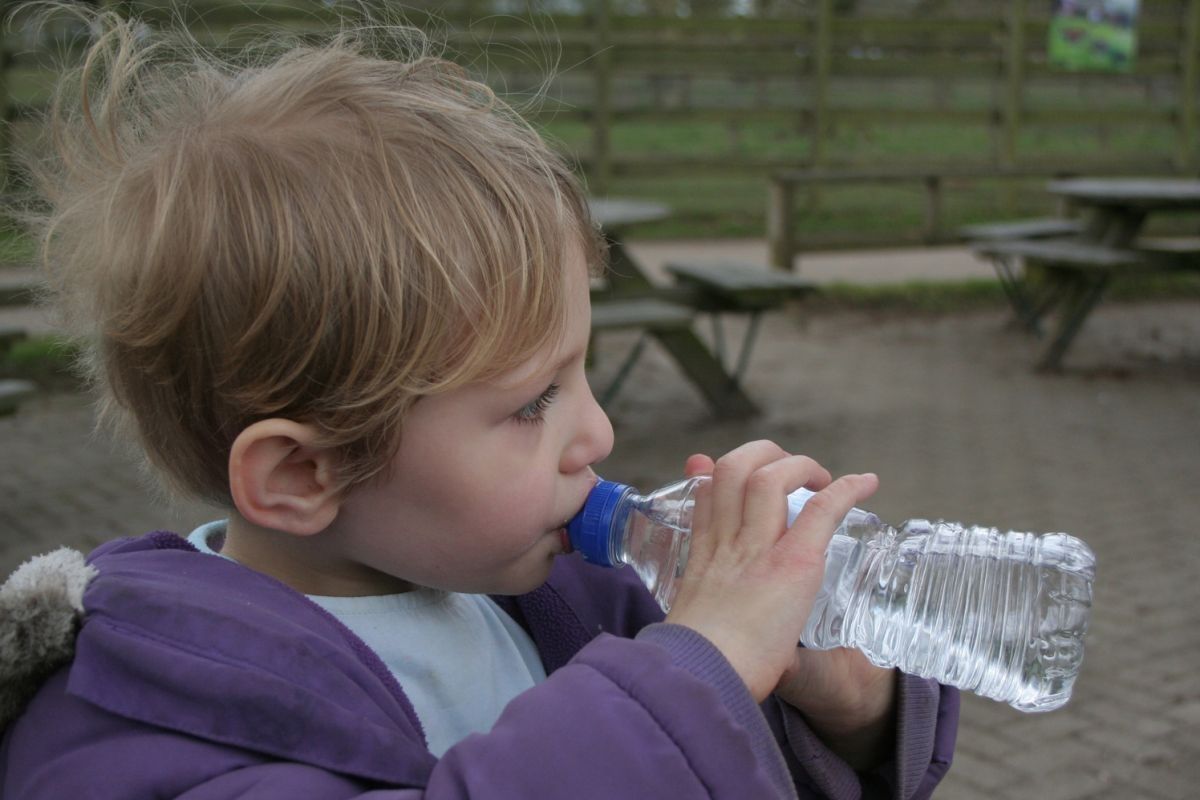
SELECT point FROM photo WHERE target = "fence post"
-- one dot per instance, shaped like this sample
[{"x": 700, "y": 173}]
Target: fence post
[
  {"x": 601, "y": 175},
  {"x": 1014, "y": 62},
  {"x": 1014, "y": 79},
  {"x": 933, "y": 208},
  {"x": 6, "y": 105},
  {"x": 1189, "y": 84},
  {"x": 823, "y": 65},
  {"x": 779, "y": 222}
]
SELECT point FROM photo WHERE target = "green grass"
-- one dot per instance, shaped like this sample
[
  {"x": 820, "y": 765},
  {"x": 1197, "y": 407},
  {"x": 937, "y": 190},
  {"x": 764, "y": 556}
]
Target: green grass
[
  {"x": 915, "y": 296},
  {"x": 47, "y": 360},
  {"x": 15, "y": 248},
  {"x": 950, "y": 297}
]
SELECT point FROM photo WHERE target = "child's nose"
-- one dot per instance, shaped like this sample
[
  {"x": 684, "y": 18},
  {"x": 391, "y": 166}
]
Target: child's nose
[{"x": 593, "y": 438}]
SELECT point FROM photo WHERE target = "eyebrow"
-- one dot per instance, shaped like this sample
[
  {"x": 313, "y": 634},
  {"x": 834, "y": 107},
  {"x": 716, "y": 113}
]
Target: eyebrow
[
  {"x": 538, "y": 376},
  {"x": 569, "y": 357}
]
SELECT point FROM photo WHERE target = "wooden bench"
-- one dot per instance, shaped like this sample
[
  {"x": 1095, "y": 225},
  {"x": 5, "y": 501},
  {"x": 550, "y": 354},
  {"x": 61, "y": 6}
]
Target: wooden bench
[
  {"x": 647, "y": 314},
  {"x": 10, "y": 336},
  {"x": 1038, "y": 228},
  {"x": 722, "y": 287},
  {"x": 1066, "y": 253},
  {"x": 17, "y": 293},
  {"x": 1007, "y": 269},
  {"x": 13, "y": 393},
  {"x": 1076, "y": 274}
]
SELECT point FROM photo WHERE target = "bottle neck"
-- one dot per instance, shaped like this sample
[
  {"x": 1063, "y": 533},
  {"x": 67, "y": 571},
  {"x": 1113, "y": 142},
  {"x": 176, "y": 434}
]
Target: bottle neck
[{"x": 621, "y": 528}]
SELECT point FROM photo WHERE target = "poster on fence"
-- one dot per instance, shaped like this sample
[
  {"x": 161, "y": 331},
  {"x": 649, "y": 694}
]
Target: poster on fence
[{"x": 1094, "y": 34}]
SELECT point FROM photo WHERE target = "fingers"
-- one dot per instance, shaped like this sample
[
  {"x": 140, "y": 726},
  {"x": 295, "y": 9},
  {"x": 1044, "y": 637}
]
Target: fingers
[
  {"x": 729, "y": 484},
  {"x": 698, "y": 464},
  {"x": 824, "y": 511},
  {"x": 766, "y": 508}
]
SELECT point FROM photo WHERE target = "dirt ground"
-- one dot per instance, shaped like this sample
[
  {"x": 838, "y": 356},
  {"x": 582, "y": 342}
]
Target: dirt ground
[{"x": 948, "y": 412}]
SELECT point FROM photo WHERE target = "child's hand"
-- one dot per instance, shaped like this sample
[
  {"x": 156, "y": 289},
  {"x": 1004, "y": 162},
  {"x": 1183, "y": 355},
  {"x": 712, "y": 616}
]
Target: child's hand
[
  {"x": 751, "y": 580},
  {"x": 848, "y": 701}
]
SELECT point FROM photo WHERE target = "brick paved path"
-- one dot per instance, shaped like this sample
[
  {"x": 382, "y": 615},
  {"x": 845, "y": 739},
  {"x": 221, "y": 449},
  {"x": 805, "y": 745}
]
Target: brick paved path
[{"x": 946, "y": 411}]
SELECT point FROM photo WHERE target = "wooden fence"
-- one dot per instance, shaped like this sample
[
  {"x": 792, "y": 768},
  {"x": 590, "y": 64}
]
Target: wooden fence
[{"x": 806, "y": 71}]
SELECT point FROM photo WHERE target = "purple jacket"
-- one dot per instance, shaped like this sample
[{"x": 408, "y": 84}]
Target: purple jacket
[{"x": 194, "y": 677}]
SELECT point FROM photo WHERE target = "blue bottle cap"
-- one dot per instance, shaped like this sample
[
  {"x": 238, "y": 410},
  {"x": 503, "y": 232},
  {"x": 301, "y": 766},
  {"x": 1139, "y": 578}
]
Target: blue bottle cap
[{"x": 592, "y": 528}]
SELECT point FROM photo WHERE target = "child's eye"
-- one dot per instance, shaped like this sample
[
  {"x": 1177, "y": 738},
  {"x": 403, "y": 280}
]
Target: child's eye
[{"x": 535, "y": 410}]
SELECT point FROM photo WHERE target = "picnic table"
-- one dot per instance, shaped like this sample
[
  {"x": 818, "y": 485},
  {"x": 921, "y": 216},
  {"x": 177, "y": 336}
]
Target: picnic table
[
  {"x": 628, "y": 298},
  {"x": 1075, "y": 269}
]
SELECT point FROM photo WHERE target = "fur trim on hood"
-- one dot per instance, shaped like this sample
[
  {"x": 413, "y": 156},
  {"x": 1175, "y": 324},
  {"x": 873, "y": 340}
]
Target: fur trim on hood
[{"x": 41, "y": 605}]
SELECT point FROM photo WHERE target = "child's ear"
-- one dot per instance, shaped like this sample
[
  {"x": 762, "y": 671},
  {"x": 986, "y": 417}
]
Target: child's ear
[{"x": 281, "y": 480}]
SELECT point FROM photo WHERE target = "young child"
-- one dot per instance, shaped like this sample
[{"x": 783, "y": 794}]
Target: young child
[{"x": 347, "y": 299}]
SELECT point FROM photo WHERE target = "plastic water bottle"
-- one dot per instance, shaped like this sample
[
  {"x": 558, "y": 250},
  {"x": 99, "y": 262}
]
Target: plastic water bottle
[{"x": 999, "y": 614}]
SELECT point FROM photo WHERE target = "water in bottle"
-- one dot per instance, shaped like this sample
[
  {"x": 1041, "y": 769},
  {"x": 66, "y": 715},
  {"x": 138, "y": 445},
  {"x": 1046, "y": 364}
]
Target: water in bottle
[{"x": 1002, "y": 614}]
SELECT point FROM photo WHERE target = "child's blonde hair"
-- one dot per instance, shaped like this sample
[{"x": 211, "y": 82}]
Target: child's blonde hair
[{"x": 322, "y": 235}]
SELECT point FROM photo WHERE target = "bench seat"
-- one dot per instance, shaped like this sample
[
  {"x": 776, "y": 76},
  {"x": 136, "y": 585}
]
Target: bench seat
[
  {"x": 647, "y": 314},
  {"x": 736, "y": 287},
  {"x": 13, "y": 393},
  {"x": 639, "y": 312},
  {"x": 10, "y": 336},
  {"x": 1039, "y": 228},
  {"x": 725, "y": 287},
  {"x": 1066, "y": 253}
]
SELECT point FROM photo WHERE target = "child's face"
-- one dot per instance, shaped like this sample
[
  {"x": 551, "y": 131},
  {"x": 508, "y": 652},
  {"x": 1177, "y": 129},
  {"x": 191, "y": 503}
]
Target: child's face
[{"x": 486, "y": 476}]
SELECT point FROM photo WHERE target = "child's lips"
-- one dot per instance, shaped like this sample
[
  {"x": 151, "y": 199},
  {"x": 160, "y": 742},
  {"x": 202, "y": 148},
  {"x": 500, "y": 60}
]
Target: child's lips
[{"x": 563, "y": 535}]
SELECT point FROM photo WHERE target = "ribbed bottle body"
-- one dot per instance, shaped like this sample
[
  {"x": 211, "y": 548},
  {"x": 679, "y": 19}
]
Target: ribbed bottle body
[{"x": 1002, "y": 614}]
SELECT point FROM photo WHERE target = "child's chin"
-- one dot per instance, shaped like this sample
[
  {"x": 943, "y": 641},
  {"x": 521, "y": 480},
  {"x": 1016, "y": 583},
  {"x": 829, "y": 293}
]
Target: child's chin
[{"x": 529, "y": 580}]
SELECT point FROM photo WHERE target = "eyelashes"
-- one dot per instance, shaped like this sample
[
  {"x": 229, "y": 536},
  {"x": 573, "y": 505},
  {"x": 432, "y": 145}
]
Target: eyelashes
[{"x": 535, "y": 411}]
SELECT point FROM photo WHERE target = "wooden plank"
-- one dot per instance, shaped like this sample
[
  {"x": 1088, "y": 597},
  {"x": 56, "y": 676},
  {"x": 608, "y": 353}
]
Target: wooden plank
[
  {"x": 887, "y": 28},
  {"x": 720, "y": 389},
  {"x": 921, "y": 66},
  {"x": 1065, "y": 253},
  {"x": 1022, "y": 229},
  {"x": 823, "y": 67},
  {"x": 9, "y": 336},
  {"x": 913, "y": 115},
  {"x": 1099, "y": 116},
  {"x": 601, "y": 171},
  {"x": 1014, "y": 77},
  {"x": 13, "y": 393},
  {"x": 731, "y": 286},
  {"x": 5, "y": 110},
  {"x": 780, "y": 232},
  {"x": 976, "y": 171},
  {"x": 1189, "y": 85},
  {"x": 639, "y": 313}
]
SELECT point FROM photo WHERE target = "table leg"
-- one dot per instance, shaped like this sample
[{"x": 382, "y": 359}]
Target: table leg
[
  {"x": 1080, "y": 294},
  {"x": 720, "y": 389},
  {"x": 1115, "y": 226},
  {"x": 624, "y": 274},
  {"x": 702, "y": 367},
  {"x": 1020, "y": 296}
]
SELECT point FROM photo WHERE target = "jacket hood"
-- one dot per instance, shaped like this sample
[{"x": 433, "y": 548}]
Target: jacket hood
[{"x": 41, "y": 605}]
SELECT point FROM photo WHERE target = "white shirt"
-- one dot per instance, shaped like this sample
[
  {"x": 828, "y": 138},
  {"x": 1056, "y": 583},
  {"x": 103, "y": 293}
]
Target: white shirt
[{"x": 459, "y": 657}]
